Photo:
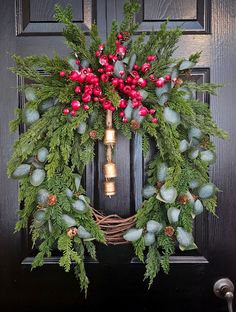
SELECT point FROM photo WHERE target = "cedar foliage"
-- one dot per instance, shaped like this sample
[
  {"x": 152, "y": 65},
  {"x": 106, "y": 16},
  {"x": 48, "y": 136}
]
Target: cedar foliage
[{"x": 69, "y": 151}]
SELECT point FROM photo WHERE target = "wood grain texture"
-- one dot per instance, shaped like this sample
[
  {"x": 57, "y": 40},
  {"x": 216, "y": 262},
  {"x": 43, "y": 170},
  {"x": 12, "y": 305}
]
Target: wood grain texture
[{"x": 172, "y": 9}]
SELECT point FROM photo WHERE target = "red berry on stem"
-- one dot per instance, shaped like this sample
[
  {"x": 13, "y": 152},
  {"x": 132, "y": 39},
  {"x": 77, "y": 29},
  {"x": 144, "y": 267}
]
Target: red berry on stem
[
  {"x": 104, "y": 77},
  {"x": 160, "y": 82},
  {"x": 81, "y": 78},
  {"x": 75, "y": 105},
  {"x": 135, "y": 103},
  {"x": 115, "y": 58},
  {"x": 115, "y": 82},
  {"x": 122, "y": 114},
  {"x": 154, "y": 120},
  {"x": 121, "y": 73},
  {"x": 77, "y": 89},
  {"x": 145, "y": 67},
  {"x": 98, "y": 53},
  {"x": 125, "y": 119},
  {"x": 135, "y": 67},
  {"x": 110, "y": 56},
  {"x": 151, "y": 58},
  {"x": 101, "y": 47},
  {"x": 74, "y": 75},
  {"x": 117, "y": 42},
  {"x": 121, "y": 50},
  {"x": 142, "y": 83},
  {"x": 152, "y": 77},
  {"x": 168, "y": 77},
  {"x": 66, "y": 111},
  {"x": 143, "y": 111},
  {"x": 103, "y": 60},
  {"x": 106, "y": 104},
  {"x": 119, "y": 36},
  {"x": 62, "y": 74},
  {"x": 123, "y": 103},
  {"x": 112, "y": 108},
  {"x": 73, "y": 113},
  {"x": 86, "y": 97},
  {"x": 77, "y": 61},
  {"x": 152, "y": 111},
  {"x": 127, "y": 89},
  {"x": 95, "y": 98},
  {"x": 85, "y": 107}
]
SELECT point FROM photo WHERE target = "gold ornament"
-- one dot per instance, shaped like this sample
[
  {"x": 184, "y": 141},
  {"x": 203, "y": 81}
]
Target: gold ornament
[
  {"x": 52, "y": 200},
  {"x": 109, "y": 170},
  {"x": 109, "y": 188},
  {"x": 110, "y": 137}
]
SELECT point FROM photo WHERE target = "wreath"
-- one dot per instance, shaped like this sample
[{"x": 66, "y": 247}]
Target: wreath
[{"x": 132, "y": 85}]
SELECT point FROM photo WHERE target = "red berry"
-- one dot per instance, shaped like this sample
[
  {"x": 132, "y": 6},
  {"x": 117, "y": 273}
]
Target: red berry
[
  {"x": 66, "y": 111},
  {"x": 129, "y": 79},
  {"x": 104, "y": 77},
  {"x": 133, "y": 86},
  {"x": 160, "y": 82},
  {"x": 117, "y": 42},
  {"x": 115, "y": 58},
  {"x": 127, "y": 89},
  {"x": 121, "y": 73},
  {"x": 142, "y": 83},
  {"x": 110, "y": 56},
  {"x": 73, "y": 113},
  {"x": 133, "y": 94},
  {"x": 135, "y": 103},
  {"x": 145, "y": 67},
  {"x": 77, "y": 89},
  {"x": 74, "y": 75},
  {"x": 101, "y": 47},
  {"x": 85, "y": 107},
  {"x": 77, "y": 61},
  {"x": 112, "y": 108},
  {"x": 151, "y": 58},
  {"x": 75, "y": 105},
  {"x": 109, "y": 68},
  {"x": 143, "y": 111},
  {"x": 115, "y": 82},
  {"x": 121, "y": 86},
  {"x": 95, "y": 98},
  {"x": 97, "y": 91},
  {"x": 103, "y": 60},
  {"x": 152, "y": 111},
  {"x": 154, "y": 120},
  {"x": 98, "y": 53},
  {"x": 121, "y": 50},
  {"x": 62, "y": 74},
  {"x": 100, "y": 70},
  {"x": 135, "y": 67},
  {"x": 86, "y": 97},
  {"x": 168, "y": 77},
  {"x": 174, "y": 80},
  {"x": 122, "y": 114},
  {"x": 119, "y": 36},
  {"x": 125, "y": 119},
  {"x": 123, "y": 103},
  {"x": 152, "y": 77},
  {"x": 81, "y": 78},
  {"x": 106, "y": 104}
]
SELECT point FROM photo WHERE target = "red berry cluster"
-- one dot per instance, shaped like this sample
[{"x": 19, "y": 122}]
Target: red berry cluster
[{"x": 88, "y": 84}]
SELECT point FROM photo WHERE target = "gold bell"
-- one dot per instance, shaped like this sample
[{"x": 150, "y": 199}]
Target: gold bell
[
  {"x": 109, "y": 188},
  {"x": 109, "y": 170},
  {"x": 110, "y": 136}
]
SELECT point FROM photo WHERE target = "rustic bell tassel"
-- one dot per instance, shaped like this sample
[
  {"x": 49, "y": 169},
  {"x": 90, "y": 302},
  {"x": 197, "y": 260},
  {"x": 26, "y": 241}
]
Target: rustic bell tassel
[
  {"x": 109, "y": 188},
  {"x": 109, "y": 170},
  {"x": 110, "y": 136}
]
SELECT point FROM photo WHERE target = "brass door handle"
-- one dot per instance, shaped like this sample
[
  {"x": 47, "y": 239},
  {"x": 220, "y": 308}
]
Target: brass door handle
[{"x": 224, "y": 288}]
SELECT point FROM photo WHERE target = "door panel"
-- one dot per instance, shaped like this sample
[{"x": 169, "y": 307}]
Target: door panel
[{"x": 117, "y": 277}]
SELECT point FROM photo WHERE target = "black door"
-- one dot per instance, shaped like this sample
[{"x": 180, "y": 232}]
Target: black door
[{"x": 27, "y": 27}]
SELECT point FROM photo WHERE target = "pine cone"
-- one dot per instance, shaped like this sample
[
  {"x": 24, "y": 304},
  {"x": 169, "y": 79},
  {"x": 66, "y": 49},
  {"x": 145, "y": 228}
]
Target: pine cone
[
  {"x": 72, "y": 231},
  {"x": 183, "y": 199},
  {"x": 52, "y": 200},
  {"x": 134, "y": 124},
  {"x": 179, "y": 82},
  {"x": 126, "y": 35},
  {"x": 169, "y": 231},
  {"x": 93, "y": 134}
]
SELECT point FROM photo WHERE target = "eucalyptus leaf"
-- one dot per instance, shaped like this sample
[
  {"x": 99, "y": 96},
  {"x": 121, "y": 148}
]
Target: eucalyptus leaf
[
  {"x": 30, "y": 94},
  {"x": 69, "y": 221},
  {"x": 83, "y": 233},
  {"x": 37, "y": 177},
  {"x": 132, "y": 61},
  {"x": 163, "y": 99},
  {"x": 133, "y": 234},
  {"x": 118, "y": 67},
  {"x": 168, "y": 194},
  {"x": 77, "y": 181},
  {"x": 171, "y": 116},
  {"x": 186, "y": 64},
  {"x": 82, "y": 127},
  {"x": 173, "y": 215},
  {"x": 149, "y": 191},
  {"x": 165, "y": 89},
  {"x": 128, "y": 110},
  {"x": 21, "y": 171},
  {"x": 149, "y": 239},
  {"x": 154, "y": 226},
  {"x": 184, "y": 238}
]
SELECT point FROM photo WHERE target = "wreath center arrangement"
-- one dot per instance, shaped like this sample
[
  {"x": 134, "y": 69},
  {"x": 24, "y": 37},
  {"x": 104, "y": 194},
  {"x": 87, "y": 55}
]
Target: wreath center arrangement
[{"x": 128, "y": 84}]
